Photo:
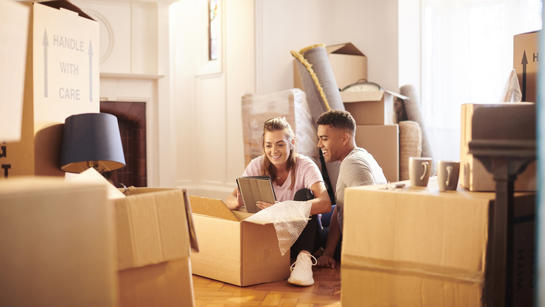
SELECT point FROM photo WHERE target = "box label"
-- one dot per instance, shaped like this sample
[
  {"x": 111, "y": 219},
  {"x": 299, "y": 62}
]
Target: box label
[{"x": 66, "y": 76}]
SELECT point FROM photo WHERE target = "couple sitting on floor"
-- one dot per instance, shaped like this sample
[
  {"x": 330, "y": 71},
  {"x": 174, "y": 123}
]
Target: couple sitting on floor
[{"x": 296, "y": 177}]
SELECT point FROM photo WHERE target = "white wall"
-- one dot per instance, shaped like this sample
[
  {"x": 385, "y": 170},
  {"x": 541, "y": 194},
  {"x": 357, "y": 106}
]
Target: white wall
[
  {"x": 207, "y": 97},
  {"x": 285, "y": 25}
]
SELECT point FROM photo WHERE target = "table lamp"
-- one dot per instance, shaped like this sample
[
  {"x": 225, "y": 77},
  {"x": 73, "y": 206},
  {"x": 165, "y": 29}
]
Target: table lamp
[{"x": 91, "y": 140}]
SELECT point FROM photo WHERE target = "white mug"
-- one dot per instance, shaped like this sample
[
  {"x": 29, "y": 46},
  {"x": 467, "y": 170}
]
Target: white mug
[
  {"x": 447, "y": 175},
  {"x": 419, "y": 171}
]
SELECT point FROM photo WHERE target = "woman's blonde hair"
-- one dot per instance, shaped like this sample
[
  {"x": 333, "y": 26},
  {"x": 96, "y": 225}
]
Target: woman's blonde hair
[{"x": 279, "y": 124}]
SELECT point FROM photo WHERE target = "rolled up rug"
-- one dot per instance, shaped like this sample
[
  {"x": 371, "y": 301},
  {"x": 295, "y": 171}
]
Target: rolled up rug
[{"x": 318, "y": 80}]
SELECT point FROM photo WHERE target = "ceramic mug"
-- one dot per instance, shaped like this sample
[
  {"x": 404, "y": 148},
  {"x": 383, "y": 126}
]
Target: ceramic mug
[
  {"x": 419, "y": 171},
  {"x": 447, "y": 175}
]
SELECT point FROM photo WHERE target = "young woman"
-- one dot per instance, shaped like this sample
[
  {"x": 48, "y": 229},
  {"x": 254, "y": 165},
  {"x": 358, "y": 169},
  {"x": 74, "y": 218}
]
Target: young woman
[{"x": 294, "y": 177}]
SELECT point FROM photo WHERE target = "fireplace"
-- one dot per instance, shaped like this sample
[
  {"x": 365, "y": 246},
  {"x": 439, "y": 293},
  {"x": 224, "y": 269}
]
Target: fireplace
[{"x": 131, "y": 117}]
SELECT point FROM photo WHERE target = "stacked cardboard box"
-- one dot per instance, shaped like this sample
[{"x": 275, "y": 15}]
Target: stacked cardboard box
[
  {"x": 233, "y": 250},
  {"x": 153, "y": 248},
  {"x": 58, "y": 244},
  {"x": 292, "y": 105},
  {"x": 376, "y": 129},
  {"x": 61, "y": 79},
  {"x": 421, "y": 247},
  {"x": 526, "y": 62},
  {"x": 473, "y": 174}
]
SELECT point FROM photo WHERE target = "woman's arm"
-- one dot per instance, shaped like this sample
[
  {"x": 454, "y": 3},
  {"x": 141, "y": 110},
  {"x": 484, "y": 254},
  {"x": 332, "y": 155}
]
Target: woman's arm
[
  {"x": 321, "y": 202},
  {"x": 234, "y": 201}
]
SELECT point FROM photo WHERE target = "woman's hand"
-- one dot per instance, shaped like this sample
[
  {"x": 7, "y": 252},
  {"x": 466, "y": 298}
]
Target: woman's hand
[{"x": 262, "y": 204}]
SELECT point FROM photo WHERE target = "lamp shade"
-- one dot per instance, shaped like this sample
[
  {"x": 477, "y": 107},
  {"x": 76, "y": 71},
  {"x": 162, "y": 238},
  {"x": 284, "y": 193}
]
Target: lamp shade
[{"x": 91, "y": 140}]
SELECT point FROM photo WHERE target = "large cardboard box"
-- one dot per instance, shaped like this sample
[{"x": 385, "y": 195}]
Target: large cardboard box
[
  {"x": 153, "y": 248},
  {"x": 526, "y": 62},
  {"x": 473, "y": 174},
  {"x": 167, "y": 283},
  {"x": 233, "y": 250},
  {"x": 370, "y": 107},
  {"x": 58, "y": 244},
  {"x": 292, "y": 105},
  {"x": 383, "y": 143},
  {"x": 422, "y": 247},
  {"x": 61, "y": 79},
  {"x": 349, "y": 65}
]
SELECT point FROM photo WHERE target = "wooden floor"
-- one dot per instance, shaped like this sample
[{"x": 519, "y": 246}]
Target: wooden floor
[{"x": 326, "y": 291}]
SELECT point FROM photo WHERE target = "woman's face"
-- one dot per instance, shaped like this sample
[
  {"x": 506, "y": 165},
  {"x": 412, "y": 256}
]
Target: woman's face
[{"x": 277, "y": 147}]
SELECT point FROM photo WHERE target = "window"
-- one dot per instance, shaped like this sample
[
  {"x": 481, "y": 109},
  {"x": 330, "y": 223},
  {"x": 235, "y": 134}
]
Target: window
[{"x": 467, "y": 55}]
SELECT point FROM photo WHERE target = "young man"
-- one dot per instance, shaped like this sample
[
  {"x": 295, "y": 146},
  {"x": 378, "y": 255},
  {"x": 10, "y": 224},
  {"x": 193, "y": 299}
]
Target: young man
[{"x": 336, "y": 139}]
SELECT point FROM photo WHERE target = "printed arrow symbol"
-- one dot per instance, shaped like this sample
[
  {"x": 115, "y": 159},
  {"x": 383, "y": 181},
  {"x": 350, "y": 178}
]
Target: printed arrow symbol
[
  {"x": 524, "y": 63},
  {"x": 90, "y": 71},
  {"x": 45, "y": 43}
]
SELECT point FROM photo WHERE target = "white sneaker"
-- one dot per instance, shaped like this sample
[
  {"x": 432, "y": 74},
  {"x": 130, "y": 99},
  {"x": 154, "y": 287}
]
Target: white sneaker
[{"x": 301, "y": 270}]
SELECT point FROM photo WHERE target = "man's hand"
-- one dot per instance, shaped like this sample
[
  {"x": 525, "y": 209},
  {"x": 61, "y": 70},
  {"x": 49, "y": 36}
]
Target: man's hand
[
  {"x": 262, "y": 204},
  {"x": 326, "y": 261}
]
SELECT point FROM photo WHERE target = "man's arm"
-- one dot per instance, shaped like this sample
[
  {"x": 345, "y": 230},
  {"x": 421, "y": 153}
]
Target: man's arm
[
  {"x": 321, "y": 202},
  {"x": 333, "y": 237}
]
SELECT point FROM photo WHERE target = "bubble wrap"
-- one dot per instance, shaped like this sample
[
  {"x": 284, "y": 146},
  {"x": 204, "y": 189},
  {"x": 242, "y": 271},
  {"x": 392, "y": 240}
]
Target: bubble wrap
[{"x": 289, "y": 219}]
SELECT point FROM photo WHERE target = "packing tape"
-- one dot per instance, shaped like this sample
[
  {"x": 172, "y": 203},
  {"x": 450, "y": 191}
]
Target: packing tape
[{"x": 411, "y": 268}]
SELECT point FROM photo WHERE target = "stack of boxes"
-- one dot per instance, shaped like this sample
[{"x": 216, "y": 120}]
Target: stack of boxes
[{"x": 373, "y": 111}]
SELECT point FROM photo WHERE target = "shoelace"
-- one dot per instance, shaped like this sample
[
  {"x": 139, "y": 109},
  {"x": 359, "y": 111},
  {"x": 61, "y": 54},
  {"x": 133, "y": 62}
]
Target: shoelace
[{"x": 313, "y": 261}]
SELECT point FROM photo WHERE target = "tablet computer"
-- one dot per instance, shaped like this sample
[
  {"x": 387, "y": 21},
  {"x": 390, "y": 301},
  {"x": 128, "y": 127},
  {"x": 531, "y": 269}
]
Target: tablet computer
[{"x": 255, "y": 188}]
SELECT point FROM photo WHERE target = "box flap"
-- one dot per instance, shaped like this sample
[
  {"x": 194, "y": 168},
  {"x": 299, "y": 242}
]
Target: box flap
[
  {"x": 348, "y": 97},
  {"x": 65, "y": 4},
  {"x": 211, "y": 207},
  {"x": 151, "y": 227},
  {"x": 344, "y": 48}
]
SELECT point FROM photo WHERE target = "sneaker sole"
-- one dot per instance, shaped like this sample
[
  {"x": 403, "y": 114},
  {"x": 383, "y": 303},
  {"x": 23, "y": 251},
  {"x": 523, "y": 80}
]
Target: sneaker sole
[{"x": 301, "y": 283}]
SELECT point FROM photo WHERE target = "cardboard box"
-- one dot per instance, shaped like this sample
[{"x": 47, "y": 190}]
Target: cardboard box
[
  {"x": 370, "y": 107},
  {"x": 292, "y": 105},
  {"x": 422, "y": 247},
  {"x": 153, "y": 247},
  {"x": 349, "y": 65},
  {"x": 13, "y": 35},
  {"x": 233, "y": 250},
  {"x": 61, "y": 79},
  {"x": 58, "y": 245},
  {"x": 526, "y": 62},
  {"x": 473, "y": 174},
  {"x": 383, "y": 143},
  {"x": 162, "y": 284}
]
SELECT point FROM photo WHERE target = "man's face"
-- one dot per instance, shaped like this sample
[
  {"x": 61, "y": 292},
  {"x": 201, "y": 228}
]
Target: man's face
[{"x": 332, "y": 141}]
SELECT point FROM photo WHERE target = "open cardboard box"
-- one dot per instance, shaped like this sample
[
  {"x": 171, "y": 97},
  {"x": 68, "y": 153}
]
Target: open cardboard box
[
  {"x": 233, "y": 250},
  {"x": 371, "y": 107},
  {"x": 348, "y": 63}
]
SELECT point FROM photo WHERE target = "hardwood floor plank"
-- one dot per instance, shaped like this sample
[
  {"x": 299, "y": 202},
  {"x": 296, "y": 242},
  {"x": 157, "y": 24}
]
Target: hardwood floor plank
[{"x": 325, "y": 292}]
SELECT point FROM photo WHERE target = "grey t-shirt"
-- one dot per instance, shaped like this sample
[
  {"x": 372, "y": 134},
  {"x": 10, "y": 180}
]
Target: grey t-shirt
[{"x": 357, "y": 168}]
